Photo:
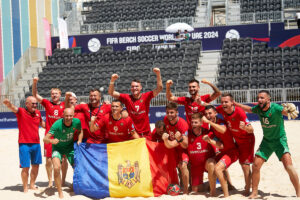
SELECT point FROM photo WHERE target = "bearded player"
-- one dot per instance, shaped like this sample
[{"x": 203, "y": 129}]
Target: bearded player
[
  {"x": 176, "y": 136},
  {"x": 228, "y": 154},
  {"x": 242, "y": 132},
  {"x": 114, "y": 126},
  {"x": 137, "y": 103},
  {"x": 274, "y": 140},
  {"x": 54, "y": 111}
]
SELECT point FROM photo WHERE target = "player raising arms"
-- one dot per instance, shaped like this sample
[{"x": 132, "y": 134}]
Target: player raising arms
[
  {"x": 228, "y": 154},
  {"x": 242, "y": 132},
  {"x": 137, "y": 104},
  {"x": 274, "y": 140},
  {"x": 200, "y": 149},
  {"x": 191, "y": 104},
  {"x": 54, "y": 111},
  {"x": 118, "y": 129},
  {"x": 176, "y": 136}
]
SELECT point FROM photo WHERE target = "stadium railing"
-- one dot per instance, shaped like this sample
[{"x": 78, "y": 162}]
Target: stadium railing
[{"x": 241, "y": 96}]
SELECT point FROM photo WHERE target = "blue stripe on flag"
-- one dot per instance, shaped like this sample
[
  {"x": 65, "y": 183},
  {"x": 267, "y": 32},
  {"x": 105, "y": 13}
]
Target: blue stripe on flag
[{"x": 91, "y": 176}]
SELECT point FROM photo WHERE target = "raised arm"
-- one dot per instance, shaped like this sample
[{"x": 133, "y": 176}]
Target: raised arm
[
  {"x": 215, "y": 143},
  {"x": 246, "y": 108},
  {"x": 217, "y": 127},
  {"x": 34, "y": 90},
  {"x": 93, "y": 126},
  {"x": 159, "y": 85},
  {"x": 111, "y": 88},
  {"x": 169, "y": 94},
  {"x": 10, "y": 106},
  {"x": 216, "y": 92},
  {"x": 246, "y": 127},
  {"x": 67, "y": 100}
]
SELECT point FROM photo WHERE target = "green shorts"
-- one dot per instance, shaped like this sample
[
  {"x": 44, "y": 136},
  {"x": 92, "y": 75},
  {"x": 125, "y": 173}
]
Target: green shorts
[
  {"x": 266, "y": 148},
  {"x": 59, "y": 154}
]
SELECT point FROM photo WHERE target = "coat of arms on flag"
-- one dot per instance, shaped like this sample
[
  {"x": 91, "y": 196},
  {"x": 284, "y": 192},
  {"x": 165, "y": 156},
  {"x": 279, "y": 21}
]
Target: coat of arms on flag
[{"x": 129, "y": 175}]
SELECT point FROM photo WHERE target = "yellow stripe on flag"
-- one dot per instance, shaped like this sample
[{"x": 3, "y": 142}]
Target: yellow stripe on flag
[{"x": 129, "y": 171}]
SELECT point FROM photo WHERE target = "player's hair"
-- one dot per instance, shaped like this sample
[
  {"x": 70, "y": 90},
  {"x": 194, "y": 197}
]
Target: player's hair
[
  {"x": 95, "y": 90},
  {"x": 55, "y": 89},
  {"x": 194, "y": 81},
  {"x": 172, "y": 105},
  {"x": 117, "y": 100},
  {"x": 228, "y": 95},
  {"x": 265, "y": 91},
  {"x": 160, "y": 123},
  {"x": 210, "y": 107},
  {"x": 136, "y": 80},
  {"x": 197, "y": 115}
]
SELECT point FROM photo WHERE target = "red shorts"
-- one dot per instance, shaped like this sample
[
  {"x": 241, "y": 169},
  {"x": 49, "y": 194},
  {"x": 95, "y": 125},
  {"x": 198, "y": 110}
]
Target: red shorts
[
  {"x": 181, "y": 155},
  {"x": 48, "y": 150},
  {"x": 197, "y": 174},
  {"x": 246, "y": 151},
  {"x": 228, "y": 157}
]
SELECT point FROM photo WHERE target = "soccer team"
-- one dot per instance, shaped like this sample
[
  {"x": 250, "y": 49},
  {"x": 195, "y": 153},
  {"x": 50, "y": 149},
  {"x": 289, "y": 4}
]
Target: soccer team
[{"x": 202, "y": 142}]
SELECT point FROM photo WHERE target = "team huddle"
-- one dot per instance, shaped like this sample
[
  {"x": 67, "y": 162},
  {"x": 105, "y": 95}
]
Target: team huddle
[{"x": 202, "y": 142}]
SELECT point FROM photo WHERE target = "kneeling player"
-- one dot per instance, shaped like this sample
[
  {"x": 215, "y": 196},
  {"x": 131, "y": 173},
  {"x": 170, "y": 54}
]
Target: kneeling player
[
  {"x": 176, "y": 137},
  {"x": 200, "y": 150},
  {"x": 63, "y": 131}
]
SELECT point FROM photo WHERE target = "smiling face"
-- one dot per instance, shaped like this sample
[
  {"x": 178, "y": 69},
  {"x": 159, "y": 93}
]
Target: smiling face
[
  {"x": 263, "y": 100},
  {"x": 172, "y": 114},
  {"x": 31, "y": 104},
  {"x": 196, "y": 123},
  {"x": 68, "y": 116},
  {"x": 136, "y": 88},
  {"x": 95, "y": 98},
  {"x": 210, "y": 114},
  {"x": 193, "y": 88},
  {"x": 227, "y": 104},
  {"x": 116, "y": 107},
  {"x": 55, "y": 95}
]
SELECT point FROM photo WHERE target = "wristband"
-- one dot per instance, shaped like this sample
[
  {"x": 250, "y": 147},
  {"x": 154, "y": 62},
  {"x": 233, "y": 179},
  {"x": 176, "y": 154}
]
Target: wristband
[{"x": 179, "y": 141}]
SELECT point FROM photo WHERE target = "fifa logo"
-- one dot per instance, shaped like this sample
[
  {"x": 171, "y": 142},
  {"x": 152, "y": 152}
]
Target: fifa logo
[{"x": 129, "y": 175}]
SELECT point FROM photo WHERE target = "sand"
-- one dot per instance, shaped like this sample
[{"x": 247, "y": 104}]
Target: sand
[{"x": 275, "y": 183}]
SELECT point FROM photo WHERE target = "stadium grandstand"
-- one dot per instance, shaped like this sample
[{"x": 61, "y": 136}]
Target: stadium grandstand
[{"x": 236, "y": 44}]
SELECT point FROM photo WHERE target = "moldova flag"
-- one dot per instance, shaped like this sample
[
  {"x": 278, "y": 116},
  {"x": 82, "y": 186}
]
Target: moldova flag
[{"x": 135, "y": 168}]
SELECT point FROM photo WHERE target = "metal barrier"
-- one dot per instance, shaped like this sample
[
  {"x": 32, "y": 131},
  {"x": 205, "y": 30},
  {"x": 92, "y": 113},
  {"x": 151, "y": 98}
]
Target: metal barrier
[{"x": 241, "y": 96}]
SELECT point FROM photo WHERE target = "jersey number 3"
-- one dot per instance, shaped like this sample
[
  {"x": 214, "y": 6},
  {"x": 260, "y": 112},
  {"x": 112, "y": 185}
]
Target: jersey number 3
[{"x": 198, "y": 145}]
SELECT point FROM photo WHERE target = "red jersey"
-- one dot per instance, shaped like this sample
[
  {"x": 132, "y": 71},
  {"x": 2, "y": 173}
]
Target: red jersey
[
  {"x": 138, "y": 110},
  {"x": 226, "y": 137},
  {"x": 233, "y": 123},
  {"x": 199, "y": 150},
  {"x": 84, "y": 126},
  {"x": 117, "y": 130},
  {"x": 28, "y": 124},
  {"x": 53, "y": 112},
  {"x": 154, "y": 137},
  {"x": 88, "y": 111},
  {"x": 180, "y": 126},
  {"x": 191, "y": 106}
]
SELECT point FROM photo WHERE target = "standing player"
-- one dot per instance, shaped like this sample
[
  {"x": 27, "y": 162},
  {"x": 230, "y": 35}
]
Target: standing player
[
  {"x": 117, "y": 128},
  {"x": 54, "y": 111},
  {"x": 191, "y": 104},
  {"x": 158, "y": 131},
  {"x": 228, "y": 154},
  {"x": 29, "y": 120},
  {"x": 176, "y": 136},
  {"x": 242, "y": 132},
  {"x": 274, "y": 140},
  {"x": 61, "y": 135},
  {"x": 93, "y": 109},
  {"x": 200, "y": 149},
  {"x": 137, "y": 104}
]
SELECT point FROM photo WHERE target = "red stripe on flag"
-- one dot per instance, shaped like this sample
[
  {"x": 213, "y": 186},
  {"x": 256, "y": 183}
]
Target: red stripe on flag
[
  {"x": 291, "y": 42},
  {"x": 262, "y": 39},
  {"x": 162, "y": 166}
]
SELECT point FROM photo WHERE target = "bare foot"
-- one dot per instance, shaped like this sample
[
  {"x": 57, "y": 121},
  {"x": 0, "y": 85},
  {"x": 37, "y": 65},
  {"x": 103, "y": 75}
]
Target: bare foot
[
  {"x": 50, "y": 184},
  {"x": 33, "y": 187},
  {"x": 25, "y": 190},
  {"x": 212, "y": 194},
  {"x": 60, "y": 195},
  {"x": 253, "y": 195}
]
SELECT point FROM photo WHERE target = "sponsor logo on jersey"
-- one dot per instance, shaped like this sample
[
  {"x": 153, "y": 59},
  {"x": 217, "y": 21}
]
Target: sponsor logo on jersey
[
  {"x": 101, "y": 111},
  {"x": 129, "y": 175},
  {"x": 270, "y": 114},
  {"x": 121, "y": 124}
]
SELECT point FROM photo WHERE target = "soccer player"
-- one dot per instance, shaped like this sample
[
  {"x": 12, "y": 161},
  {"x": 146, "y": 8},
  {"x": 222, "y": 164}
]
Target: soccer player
[
  {"x": 93, "y": 109},
  {"x": 29, "y": 120},
  {"x": 228, "y": 154},
  {"x": 114, "y": 126},
  {"x": 61, "y": 136},
  {"x": 192, "y": 104},
  {"x": 176, "y": 136},
  {"x": 200, "y": 149},
  {"x": 274, "y": 140},
  {"x": 156, "y": 134},
  {"x": 54, "y": 111},
  {"x": 242, "y": 132},
  {"x": 137, "y": 104}
]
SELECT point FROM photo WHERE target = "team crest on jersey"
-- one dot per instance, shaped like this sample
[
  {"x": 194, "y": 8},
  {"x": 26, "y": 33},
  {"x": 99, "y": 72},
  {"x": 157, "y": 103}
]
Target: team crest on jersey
[
  {"x": 110, "y": 122},
  {"x": 61, "y": 107},
  {"x": 129, "y": 175},
  {"x": 115, "y": 128},
  {"x": 121, "y": 124},
  {"x": 101, "y": 111},
  {"x": 37, "y": 114},
  {"x": 141, "y": 101},
  {"x": 270, "y": 114},
  {"x": 233, "y": 119}
]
